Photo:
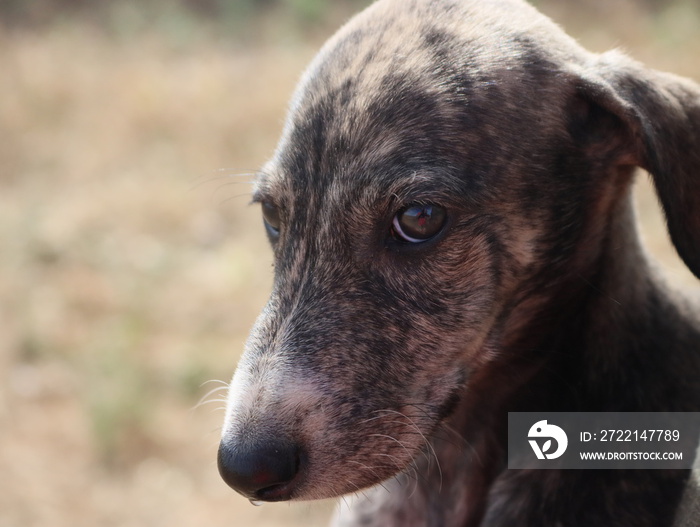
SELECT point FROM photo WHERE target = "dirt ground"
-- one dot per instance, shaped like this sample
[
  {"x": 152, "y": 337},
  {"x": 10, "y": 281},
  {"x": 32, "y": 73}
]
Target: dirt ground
[{"x": 131, "y": 267}]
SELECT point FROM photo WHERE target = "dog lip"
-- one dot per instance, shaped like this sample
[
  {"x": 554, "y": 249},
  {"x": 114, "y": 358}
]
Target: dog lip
[
  {"x": 274, "y": 493},
  {"x": 283, "y": 491}
]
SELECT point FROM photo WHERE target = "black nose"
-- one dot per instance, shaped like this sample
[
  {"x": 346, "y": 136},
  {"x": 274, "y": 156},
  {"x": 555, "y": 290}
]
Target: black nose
[{"x": 264, "y": 471}]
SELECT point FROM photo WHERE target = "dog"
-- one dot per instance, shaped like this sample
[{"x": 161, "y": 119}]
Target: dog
[{"x": 450, "y": 212}]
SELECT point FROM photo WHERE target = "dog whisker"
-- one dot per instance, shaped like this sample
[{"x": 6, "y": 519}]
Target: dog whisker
[
  {"x": 244, "y": 177},
  {"x": 205, "y": 398}
]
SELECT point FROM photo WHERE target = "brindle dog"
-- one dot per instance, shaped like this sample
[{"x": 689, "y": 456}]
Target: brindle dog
[{"x": 451, "y": 217}]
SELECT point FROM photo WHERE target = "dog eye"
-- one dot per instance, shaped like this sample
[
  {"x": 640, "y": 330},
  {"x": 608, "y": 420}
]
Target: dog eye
[
  {"x": 271, "y": 216},
  {"x": 419, "y": 222}
]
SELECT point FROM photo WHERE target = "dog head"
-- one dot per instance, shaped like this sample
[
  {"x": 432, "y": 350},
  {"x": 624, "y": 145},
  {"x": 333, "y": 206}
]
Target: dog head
[{"x": 448, "y": 172}]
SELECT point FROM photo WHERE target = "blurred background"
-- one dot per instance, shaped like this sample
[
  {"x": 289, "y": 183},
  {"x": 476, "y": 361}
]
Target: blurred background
[{"x": 131, "y": 267}]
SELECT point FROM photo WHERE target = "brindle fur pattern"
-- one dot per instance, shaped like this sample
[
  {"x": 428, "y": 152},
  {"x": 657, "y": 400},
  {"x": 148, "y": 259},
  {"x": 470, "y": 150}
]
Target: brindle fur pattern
[{"x": 398, "y": 364}]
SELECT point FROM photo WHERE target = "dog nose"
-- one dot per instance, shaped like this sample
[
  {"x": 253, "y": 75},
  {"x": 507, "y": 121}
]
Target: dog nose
[{"x": 260, "y": 472}]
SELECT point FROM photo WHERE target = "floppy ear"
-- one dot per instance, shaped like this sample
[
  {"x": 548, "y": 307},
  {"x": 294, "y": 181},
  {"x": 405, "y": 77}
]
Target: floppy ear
[{"x": 661, "y": 116}]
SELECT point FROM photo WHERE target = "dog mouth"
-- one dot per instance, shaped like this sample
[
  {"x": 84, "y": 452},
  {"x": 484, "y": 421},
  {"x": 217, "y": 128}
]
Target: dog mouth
[
  {"x": 274, "y": 493},
  {"x": 274, "y": 472},
  {"x": 284, "y": 491}
]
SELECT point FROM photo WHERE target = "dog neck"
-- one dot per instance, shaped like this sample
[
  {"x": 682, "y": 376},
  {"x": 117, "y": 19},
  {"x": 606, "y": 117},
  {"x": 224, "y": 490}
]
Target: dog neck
[{"x": 567, "y": 352}]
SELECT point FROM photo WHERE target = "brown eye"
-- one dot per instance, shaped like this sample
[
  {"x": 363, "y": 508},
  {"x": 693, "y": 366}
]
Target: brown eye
[
  {"x": 419, "y": 222},
  {"x": 271, "y": 216}
]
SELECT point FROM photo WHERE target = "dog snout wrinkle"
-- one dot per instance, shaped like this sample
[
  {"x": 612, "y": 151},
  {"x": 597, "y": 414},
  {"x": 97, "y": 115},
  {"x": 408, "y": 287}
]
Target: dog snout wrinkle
[{"x": 264, "y": 471}]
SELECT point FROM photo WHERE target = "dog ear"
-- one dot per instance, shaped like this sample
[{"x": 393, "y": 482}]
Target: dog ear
[{"x": 660, "y": 117}]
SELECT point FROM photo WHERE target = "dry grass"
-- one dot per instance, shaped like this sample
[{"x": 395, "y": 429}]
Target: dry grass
[{"x": 131, "y": 267}]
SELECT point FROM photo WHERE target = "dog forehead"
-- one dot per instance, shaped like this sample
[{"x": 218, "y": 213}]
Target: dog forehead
[
  {"x": 444, "y": 44},
  {"x": 412, "y": 84}
]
